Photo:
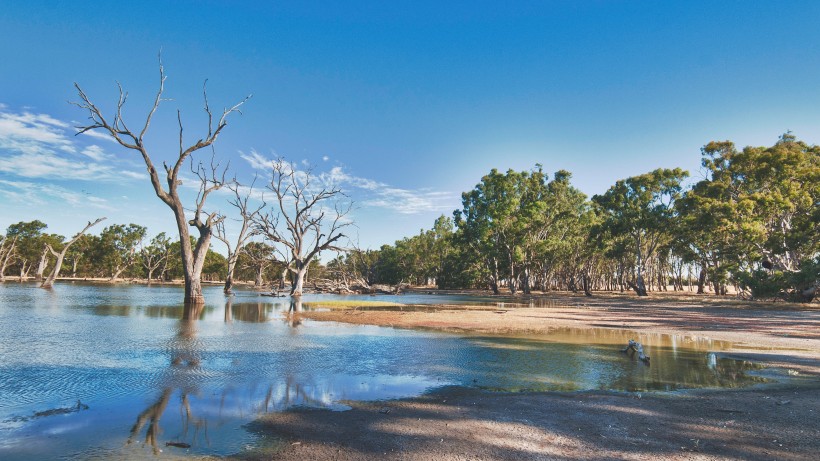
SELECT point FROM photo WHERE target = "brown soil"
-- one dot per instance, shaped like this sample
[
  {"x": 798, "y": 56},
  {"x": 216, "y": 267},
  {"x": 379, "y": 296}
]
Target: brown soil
[{"x": 774, "y": 422}]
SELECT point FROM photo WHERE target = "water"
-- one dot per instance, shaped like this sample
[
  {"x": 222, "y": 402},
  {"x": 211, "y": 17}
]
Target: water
[{"x": 99, "y": 371}]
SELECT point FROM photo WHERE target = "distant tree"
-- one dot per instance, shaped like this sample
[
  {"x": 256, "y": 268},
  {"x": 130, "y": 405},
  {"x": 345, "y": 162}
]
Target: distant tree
[
  {"x": 257, "y": 257},
  {"x": 246, "y": 216},
  {"x": 118, "y": 248},
  {"x": 489, "y": 224},
  {"x": 155, "y": 255},
  {"x": 755, "y": 217},
  {"x": 29, "y": 244},
  {"x": 193, "y": 256},
  {"x": 641, "y": 209},
  {"x": 55, "y": 272},
  {"x": 8, "y": 246},
  {"x": 307, "y": 219}
]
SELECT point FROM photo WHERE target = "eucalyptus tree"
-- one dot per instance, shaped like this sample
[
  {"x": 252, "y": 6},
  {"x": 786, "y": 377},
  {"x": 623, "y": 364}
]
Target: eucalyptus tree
[
  {"x": 118, "y": 248},
  {"x": 757, "y": 216},
  {"x": 58, "y": 263},
  {"x": 80, "y": 251},
  {"x": 246, "y": 215},
  {"x": 8, "y": 246},
  {"x": 257, "y": 257},
  {"x": 488, "y": 221},
  {"x": 193, "y": 256},
  {"x": 641, "y": 209},
  {"x": 308, "y": 218},
  {"x": 29, "y": 238},
  {"x": 154, "y": 256}
]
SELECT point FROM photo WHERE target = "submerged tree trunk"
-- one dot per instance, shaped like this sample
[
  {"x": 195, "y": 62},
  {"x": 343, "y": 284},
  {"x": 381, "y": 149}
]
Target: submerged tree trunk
[
  {"x": 298, "y": 280},
  {"x": 6, "y": 256},
  {"x": 24, "y": 270},
  {"x": 41, "y": 267}
]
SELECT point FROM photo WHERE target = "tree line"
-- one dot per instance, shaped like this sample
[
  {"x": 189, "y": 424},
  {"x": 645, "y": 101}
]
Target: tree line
[{"x": 750, "y": 223}]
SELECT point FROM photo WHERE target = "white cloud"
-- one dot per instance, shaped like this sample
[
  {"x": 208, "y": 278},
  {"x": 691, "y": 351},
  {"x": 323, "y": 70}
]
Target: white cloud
[
  {"x": 95, "y": 152},
  {"x": 33, "y": 133},
  {"x": 39, "y": 194},
  {"x": 372, "y": 193},
  {"x": 325, "y": 158},
  {"x": 37, "y": 146},
  {"x": 99, "y": 135}
]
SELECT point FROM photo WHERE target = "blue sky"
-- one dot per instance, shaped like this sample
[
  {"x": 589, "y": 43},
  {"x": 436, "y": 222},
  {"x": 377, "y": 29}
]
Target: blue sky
[{"x": 405, "y": 104}]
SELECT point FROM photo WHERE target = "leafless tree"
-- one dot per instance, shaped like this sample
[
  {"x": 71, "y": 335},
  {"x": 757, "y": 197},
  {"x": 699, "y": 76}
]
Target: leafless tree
[
  {"x": 246, "y": 216},
  {"x": 193, "y": 256},
  {"x": 309, "y": 219},
  {"x": 49, "y": 281},
  {"x": 7, "y": 247}
]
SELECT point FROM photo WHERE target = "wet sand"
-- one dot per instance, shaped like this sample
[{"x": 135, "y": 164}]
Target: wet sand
[{"x": 777, "y": 421}]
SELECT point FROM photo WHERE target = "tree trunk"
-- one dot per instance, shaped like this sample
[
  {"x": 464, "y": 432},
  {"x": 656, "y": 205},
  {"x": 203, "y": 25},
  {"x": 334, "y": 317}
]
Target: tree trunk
[
  {"x": 229, "y": 277},
  {"x": 494, "y": 277},
  {"x": 258, "y": 282},
  {"x": 702, "y": 278},
  {"x": 41, "y": 267},
  {"x": 49, "y": 282},
  {"x": 525, "y": 283},
  {"x": 192, "y": 258},
  {"x": 638, "y": 285},
  {"x": 298, "y": 281}
]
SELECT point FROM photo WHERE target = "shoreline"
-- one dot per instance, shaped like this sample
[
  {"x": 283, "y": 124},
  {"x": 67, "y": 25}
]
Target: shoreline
[{"x": 776, "y": 421}]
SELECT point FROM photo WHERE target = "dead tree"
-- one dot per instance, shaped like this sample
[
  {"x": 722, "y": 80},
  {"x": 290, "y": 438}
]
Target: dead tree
[
  {"x": 6, "y": 252},
  {"x": 246, "y": 216},
  {"x": 304, "y": 224},
  {"x": 49, "y": 281},
  {"x": 193, "y": 256}
]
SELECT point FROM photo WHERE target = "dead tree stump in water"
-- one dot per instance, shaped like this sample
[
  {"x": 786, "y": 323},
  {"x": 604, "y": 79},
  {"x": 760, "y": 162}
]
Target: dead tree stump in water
[{"x": 636, "y": 347}]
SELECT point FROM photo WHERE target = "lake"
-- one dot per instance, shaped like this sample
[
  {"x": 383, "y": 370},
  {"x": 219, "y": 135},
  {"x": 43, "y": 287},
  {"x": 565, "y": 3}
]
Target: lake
[{"x": 99, "y": 371}]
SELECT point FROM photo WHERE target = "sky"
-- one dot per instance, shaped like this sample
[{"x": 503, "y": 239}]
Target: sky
[{"x": 403, "y": 104}]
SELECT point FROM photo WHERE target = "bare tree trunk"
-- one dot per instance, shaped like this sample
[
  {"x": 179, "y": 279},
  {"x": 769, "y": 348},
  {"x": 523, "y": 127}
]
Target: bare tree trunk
[
  {"x": 41, "y": 267},
  {"x": 49, "y": 282},
  {"x": 6, "y": 254},
  {"x": 24, "y": 270}
]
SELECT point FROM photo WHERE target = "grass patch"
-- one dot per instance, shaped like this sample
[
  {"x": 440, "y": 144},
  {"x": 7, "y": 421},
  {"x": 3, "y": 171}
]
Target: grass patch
[{"x": 351, "y": 304}]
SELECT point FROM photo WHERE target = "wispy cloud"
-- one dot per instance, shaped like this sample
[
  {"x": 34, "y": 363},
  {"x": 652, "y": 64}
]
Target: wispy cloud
[
  {"x": 372, "y": 193},
  {"x": 39, "y": 146},
  {"x": 38, "y": 193}
]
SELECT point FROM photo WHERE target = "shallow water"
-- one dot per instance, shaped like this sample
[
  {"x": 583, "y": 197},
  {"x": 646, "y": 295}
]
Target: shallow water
[{"x": 148, "y": 377}]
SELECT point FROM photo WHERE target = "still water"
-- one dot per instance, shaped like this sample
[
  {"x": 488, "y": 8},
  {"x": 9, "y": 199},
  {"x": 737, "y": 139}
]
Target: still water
[{"x": 100, "y": 371}]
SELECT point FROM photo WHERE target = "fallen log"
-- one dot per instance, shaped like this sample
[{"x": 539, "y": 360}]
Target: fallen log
[{"x": 636, "y": 348}]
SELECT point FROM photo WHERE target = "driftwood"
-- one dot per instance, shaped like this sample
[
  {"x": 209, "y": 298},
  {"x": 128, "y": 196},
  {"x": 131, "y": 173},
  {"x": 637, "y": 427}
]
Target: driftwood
[{"x": 636, "y": 348}]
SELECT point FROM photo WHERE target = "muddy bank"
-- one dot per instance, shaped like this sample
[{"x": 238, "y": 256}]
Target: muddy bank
[
  {"x": 467, "y": 424},
  {"x": 772, "y": 422}
]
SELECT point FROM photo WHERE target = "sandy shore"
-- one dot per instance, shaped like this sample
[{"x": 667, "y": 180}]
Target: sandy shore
[{"x": 774, "y": 422}]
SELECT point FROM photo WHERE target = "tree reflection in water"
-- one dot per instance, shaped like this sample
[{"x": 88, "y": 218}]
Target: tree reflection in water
[{"x": 186, "y": 357}]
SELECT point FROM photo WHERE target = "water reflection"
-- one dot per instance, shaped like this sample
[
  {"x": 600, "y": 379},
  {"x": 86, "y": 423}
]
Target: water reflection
[{"x": 150, "y": 377}]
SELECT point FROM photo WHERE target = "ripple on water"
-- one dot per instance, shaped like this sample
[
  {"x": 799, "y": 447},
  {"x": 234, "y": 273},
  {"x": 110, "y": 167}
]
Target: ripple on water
[{"x": 124, "y": 351}]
